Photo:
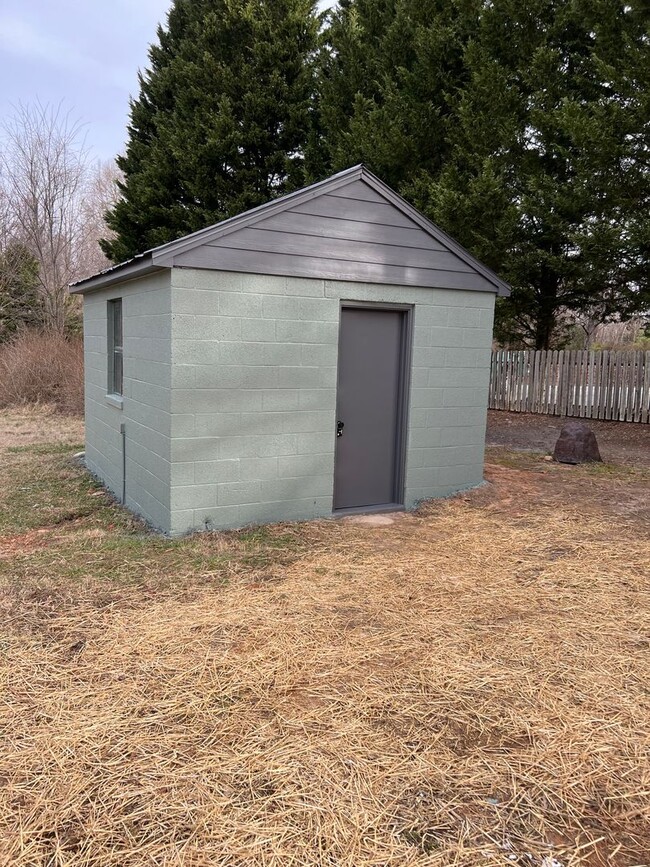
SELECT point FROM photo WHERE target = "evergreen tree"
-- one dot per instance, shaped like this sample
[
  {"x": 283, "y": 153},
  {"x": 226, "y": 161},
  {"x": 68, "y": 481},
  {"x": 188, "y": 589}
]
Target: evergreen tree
[
  {"x": 548, "y": 176},
  {"x": 21, "y": 305},
  {"x": 389, "y": 73},
  {"x": 520, "y": 126},
  {"x": 222, "y": 119}
]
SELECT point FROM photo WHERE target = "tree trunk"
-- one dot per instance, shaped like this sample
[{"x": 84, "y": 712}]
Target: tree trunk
[{"x": 546, "y": 309}]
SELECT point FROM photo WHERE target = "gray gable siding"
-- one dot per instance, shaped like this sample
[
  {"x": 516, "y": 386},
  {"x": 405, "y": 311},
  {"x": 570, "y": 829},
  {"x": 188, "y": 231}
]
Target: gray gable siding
[
  {"x": 350, "y": 226},
  {"x": 352, "y": 233}
]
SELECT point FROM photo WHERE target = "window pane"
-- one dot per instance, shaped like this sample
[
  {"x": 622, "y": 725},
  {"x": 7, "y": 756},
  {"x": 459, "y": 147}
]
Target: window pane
[
  {"x": 117, "y": 323},
  {"x": 117, "y": 372},
  {"x": 115, "y": 365}
]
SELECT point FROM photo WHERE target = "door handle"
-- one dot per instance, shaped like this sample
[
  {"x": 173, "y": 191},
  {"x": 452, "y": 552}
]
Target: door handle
[{"x": 339, "y": 428}]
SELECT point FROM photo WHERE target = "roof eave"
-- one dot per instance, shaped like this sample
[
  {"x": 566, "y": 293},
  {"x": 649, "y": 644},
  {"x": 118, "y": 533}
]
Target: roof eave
[{"x": 141, "y": 266}]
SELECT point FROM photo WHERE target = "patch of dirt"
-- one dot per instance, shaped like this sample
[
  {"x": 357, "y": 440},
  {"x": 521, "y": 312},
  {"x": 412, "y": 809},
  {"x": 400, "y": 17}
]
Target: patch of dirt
[
  {"x": 25, "y": 543},
  {"x": 36, "y": 540},
  {"x": 552, "y": 486},
  {"x": 38, "y": 425},
  {"x": 620, "y": 442}
]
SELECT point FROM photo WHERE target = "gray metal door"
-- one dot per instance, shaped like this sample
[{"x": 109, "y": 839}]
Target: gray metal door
[{"x": 370, "y": 387}]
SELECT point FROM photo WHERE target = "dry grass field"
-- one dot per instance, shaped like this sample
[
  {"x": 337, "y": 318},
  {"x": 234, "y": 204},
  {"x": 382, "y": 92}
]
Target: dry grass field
[{"x": 468, "y": 685}]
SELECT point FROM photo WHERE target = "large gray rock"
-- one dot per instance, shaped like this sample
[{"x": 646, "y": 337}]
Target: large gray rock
[{"x": 576, "y": 444}]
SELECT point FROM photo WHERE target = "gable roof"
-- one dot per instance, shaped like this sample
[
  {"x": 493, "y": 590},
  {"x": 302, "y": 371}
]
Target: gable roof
[{"x": 391, "y": 241}]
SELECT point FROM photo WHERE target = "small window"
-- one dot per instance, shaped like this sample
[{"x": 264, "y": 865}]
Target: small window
[{"x": 115, "y": 354}]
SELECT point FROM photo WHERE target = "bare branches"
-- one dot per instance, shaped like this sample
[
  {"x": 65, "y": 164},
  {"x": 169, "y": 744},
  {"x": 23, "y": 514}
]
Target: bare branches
[
  {"x": 100, "y": 194},
  {"x": 52, "y": 201}
]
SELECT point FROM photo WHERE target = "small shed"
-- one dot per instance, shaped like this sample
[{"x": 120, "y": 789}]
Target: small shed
[{"x": 325, "y": 353}]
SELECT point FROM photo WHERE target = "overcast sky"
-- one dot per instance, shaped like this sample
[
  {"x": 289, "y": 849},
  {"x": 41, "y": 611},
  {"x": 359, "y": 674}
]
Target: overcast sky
[{"x": 84, "y": 54}]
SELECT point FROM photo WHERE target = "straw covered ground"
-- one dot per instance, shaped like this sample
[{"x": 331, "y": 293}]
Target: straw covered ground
[{"x": 468, "y": 685}]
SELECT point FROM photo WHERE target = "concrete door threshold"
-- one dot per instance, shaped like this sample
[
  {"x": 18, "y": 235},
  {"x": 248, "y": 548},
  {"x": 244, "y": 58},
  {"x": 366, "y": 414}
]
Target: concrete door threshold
[{"x": 374, "y": 516}]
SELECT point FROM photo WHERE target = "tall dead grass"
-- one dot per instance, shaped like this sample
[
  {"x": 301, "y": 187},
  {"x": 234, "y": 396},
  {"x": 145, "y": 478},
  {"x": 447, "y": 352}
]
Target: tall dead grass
[{"x": 38, "y": 367}]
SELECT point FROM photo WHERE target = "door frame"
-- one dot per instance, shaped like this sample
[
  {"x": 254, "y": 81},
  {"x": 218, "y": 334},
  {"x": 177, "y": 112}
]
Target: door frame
[{"x": 403, "y": 401}]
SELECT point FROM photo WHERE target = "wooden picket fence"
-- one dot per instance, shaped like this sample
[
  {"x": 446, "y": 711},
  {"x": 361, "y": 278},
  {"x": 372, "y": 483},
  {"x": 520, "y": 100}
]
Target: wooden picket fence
[{"x": 582, "y": 384}]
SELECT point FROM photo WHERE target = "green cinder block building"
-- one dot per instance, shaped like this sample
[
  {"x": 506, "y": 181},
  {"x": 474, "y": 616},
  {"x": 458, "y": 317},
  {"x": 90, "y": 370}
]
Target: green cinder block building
[{"x": 326, "y": 353}]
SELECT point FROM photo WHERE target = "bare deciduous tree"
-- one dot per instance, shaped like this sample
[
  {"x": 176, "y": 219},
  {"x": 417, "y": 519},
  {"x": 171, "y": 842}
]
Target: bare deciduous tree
[
  {"x": 100, "y": 194},
  {"x": 53, "y": 201},
  {"x": 6, "y": 219}
]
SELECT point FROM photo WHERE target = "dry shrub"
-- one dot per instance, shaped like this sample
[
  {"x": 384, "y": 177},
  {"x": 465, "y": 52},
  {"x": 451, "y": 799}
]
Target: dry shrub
[{"x": 39, "y": 367}]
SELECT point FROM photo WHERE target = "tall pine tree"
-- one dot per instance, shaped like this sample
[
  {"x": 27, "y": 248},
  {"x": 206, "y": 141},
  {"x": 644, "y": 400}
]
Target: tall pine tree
[
  {"x": 548, "y": 177},
  {"x": 388, "y": 76},
  {"x": 521, "y": 126},
  {"x": 222, "y": 119}
]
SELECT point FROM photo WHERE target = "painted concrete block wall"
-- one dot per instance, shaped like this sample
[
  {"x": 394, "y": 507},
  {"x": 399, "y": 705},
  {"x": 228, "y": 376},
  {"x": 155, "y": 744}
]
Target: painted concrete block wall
[
  {"x": 145, "y": 405},
  {"x": 253, "y": 394}
]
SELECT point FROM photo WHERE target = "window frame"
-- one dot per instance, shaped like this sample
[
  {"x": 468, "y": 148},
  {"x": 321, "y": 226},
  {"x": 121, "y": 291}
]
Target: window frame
[{"x": 115, "y": 323}]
